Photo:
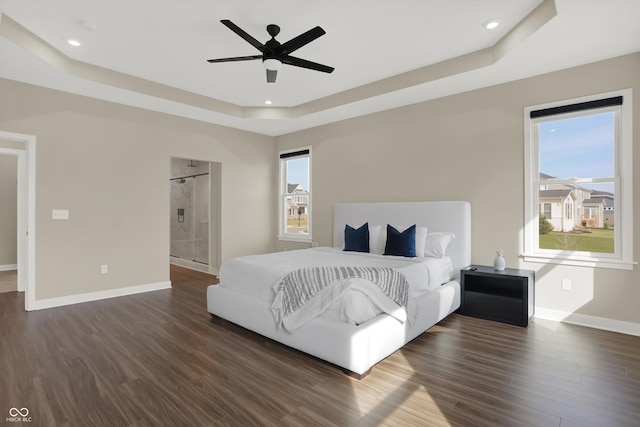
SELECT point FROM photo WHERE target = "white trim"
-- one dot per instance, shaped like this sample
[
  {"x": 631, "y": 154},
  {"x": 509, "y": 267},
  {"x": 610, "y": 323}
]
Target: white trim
[
  {"x": 622, "y": 258},
  {"x": 8, "y": 267},
  {"x": 602, "y": 323},
  {"x": 579, "y": 261},
  {"x": 100, "y": 295},
  {"x": 26, "y": 261},
  {"x": 293, "y": 238},
  {"x": 282, "y": 190}
]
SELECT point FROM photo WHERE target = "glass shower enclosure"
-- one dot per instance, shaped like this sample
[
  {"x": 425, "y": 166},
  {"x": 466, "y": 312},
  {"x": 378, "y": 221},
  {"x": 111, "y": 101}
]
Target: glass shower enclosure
[{"x": 190, "y": 194}]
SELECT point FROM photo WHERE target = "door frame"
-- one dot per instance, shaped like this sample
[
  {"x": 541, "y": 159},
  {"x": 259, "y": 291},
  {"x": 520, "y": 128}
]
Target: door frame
[{"x": 26, "y": 236}]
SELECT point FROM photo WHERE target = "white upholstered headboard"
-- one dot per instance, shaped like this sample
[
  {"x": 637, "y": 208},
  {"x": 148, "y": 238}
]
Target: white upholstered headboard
[{"x": 454, "y": 216}]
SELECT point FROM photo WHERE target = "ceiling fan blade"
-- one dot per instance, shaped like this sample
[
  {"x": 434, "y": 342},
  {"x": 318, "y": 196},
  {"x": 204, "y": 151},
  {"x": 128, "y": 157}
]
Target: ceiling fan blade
[
  {"x": 304, "y": 38},
  {"x": 242, "y": 33},
  {"x": 236, "y": 58},
  {"x": 271, "y": 76},
  {"x": 298, "y": 62}
]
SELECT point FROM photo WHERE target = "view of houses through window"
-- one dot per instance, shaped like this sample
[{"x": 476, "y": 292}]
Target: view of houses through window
[
  {"x": 296, "y": 196},
  {"x": 297, "y": 209},
  {"x": 577, "y": 181}
]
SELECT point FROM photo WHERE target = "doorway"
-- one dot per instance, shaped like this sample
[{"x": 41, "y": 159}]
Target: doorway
[
  {"x": 23, "y": 147},
  {"x": 195, "y": 214},
  {"x": 8, "y": 223}
]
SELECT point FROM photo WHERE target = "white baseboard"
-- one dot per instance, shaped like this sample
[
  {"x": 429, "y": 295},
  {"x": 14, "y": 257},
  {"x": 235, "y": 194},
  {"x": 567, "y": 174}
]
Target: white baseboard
[
  {"x": 8, "y": 267},
  {"x": 95, "y": 296},
  {"x": 603, "y": 323}
]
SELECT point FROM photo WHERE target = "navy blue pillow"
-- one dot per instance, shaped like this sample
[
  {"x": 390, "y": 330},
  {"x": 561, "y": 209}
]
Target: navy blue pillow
[
  {"x": 356, "y": 240},
  {"x": 401, "y": 244}
]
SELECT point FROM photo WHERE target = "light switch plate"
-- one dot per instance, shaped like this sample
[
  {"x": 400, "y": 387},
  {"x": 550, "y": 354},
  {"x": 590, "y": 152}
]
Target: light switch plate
[{"x": 59, "y": 214}]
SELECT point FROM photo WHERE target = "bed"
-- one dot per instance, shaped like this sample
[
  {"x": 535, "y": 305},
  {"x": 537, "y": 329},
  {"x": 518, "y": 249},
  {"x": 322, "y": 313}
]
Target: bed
[{"x": 250, "y": 285}]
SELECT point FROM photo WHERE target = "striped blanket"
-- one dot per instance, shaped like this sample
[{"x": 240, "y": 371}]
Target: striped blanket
[{"x": 305, "y": 293}]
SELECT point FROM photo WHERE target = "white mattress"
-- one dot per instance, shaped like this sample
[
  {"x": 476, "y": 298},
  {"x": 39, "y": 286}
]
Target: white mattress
[{"x": 258, "y": 274}]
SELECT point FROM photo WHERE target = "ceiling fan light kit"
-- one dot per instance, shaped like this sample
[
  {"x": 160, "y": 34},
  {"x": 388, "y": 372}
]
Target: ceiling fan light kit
[
  {"x": 274, "y": 53},
  {"x": 272, "y": 64}
]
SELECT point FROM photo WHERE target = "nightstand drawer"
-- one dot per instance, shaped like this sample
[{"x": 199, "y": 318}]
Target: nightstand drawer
[
  {"x": 493, "y": 307},
  {"x": 505, "y": 296}
]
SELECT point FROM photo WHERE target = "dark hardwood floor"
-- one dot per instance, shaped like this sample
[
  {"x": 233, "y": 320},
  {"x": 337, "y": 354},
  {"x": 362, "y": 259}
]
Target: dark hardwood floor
[
  {"x": 158, "y": 359},
  {"x": 8, "y": 281}
]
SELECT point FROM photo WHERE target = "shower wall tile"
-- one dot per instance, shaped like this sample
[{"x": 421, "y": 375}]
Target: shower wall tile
[{"x": 190, "y": 238}]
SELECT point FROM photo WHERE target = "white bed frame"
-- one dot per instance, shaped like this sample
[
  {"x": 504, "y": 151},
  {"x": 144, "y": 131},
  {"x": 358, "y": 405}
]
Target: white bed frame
[{"x": 358, "y": 348}]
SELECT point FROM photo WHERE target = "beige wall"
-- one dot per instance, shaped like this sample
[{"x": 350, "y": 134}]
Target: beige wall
[
  {"x": 470, "y": 147},
  {"x": 8, "y": 209},
  {"x": 110, "y": 165}
]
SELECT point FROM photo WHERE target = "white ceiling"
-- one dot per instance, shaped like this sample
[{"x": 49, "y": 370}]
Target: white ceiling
[{"x": 386, "y": 54}]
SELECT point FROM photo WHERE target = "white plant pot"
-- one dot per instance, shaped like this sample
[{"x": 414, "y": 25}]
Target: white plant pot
[{"x": 499, "y": 263}]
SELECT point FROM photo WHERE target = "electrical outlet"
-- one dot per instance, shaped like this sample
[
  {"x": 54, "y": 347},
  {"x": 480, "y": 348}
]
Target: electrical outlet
[
  {"x": 566, "y": 284},
  {"x": 104, "y": 269}
]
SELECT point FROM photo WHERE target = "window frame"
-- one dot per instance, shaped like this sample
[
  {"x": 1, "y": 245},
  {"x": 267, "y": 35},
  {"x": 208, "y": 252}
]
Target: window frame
[
  {"x": 622, "y": 258},
  {"x": 305, "y": 152}
]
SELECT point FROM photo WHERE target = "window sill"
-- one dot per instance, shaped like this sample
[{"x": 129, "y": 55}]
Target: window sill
[
  {"x": 301, "y": 239},
  {"x": 579, "y": 261}
]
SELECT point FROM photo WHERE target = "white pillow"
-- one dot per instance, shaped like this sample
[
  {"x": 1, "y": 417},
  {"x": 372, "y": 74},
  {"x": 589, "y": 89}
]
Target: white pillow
[
  {"x": 437, "y": 243},
  {"x": 378, "y": 238},
  {"x": 421, "y": 238}
]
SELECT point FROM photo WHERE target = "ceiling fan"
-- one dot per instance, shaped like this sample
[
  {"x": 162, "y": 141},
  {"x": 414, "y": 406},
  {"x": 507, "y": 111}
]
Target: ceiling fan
[{"x": 275, "y": 54}]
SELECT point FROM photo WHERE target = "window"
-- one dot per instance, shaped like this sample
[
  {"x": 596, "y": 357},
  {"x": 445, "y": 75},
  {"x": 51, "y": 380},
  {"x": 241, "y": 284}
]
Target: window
[
  {"x": 578, "y": 157},
  {"x": 546, "y": 210},
  {"x": 295, "y": 195}
]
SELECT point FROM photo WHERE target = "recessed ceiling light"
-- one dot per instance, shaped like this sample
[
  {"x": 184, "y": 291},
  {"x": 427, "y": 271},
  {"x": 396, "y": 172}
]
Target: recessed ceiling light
[
  {"x": 268, "y": 102},
  {"x": 491, "y": 24},
  {"x": 73, "y": 42}
]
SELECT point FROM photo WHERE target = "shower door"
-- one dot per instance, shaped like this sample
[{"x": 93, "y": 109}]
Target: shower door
[{"x": 190, "y": 217}]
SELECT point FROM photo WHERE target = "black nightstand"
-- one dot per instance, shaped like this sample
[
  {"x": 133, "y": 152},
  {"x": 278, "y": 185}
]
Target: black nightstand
[{"x": 505, "y": 296}]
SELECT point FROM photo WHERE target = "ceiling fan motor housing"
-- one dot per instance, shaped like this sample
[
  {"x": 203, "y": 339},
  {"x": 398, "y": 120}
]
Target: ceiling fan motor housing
[{"x": 274, "y": 54}]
